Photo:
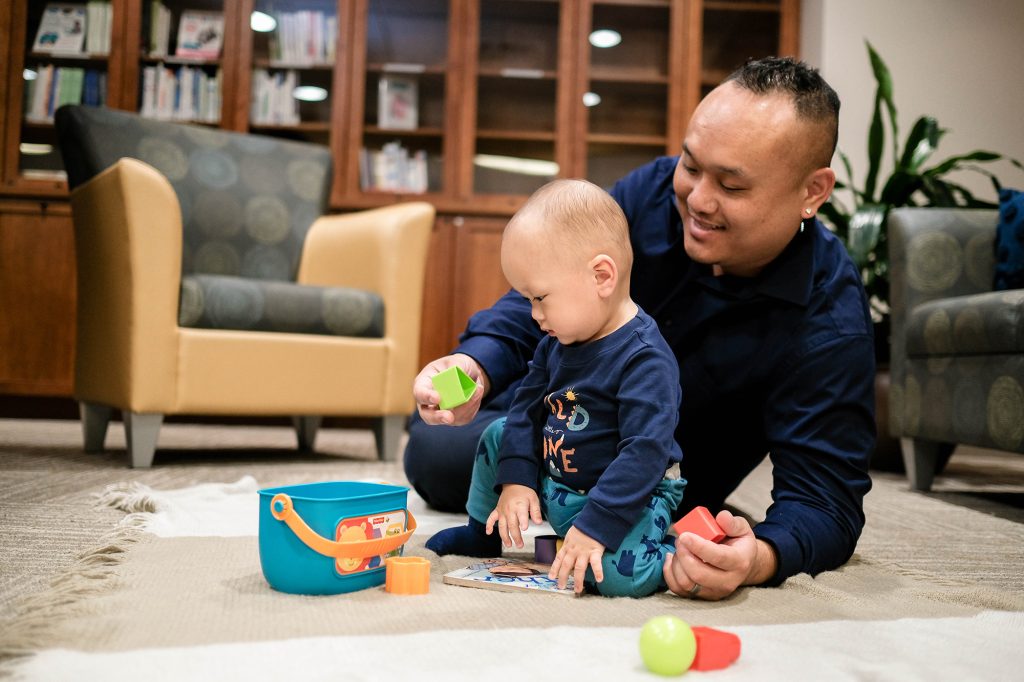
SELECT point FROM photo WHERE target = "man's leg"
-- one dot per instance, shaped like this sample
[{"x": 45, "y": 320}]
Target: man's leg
[
  {"x": 472, "y": 539},
  {"x": 439, "y": 459}
]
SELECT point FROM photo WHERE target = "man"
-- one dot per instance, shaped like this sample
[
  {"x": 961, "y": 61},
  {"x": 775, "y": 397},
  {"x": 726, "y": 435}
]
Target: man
[{"x": 765, "y": 313}]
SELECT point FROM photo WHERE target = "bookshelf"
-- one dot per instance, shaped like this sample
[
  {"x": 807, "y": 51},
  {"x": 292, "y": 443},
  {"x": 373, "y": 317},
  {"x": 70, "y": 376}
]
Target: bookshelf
[{"x": 488, "y": 100}]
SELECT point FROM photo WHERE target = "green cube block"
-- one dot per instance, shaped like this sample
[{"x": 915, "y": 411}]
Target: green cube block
[{"x": 455, "y": 387}]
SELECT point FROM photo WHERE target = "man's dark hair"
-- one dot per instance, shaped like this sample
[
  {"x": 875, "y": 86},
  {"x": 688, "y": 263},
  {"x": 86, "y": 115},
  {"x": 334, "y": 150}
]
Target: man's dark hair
[{"x": 813, "y": 98}]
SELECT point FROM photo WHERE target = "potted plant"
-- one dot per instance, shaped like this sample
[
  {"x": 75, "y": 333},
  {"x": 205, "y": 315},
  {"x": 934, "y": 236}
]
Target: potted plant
[{"x": 861, "y": 223}]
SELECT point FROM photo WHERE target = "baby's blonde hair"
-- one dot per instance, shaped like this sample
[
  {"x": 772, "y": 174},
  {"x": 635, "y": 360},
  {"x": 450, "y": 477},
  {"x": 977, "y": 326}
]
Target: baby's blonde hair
[{"x": 582, "y": 216}]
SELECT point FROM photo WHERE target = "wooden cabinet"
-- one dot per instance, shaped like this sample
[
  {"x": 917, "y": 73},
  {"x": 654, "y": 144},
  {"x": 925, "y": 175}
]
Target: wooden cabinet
[
  {"x": 37, "y": 298},
  {"x": 468, "y": 104}
]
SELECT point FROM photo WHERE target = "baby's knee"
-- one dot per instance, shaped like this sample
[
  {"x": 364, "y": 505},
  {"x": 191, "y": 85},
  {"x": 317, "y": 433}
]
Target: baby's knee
[
  {"x": 626, "y": 575},
  {"x": 491, "y": 436}
]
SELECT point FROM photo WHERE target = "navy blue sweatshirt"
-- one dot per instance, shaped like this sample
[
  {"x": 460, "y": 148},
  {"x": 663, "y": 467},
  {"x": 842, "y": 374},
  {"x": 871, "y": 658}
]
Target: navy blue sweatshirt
[
  {"x": 600, "y": 418},
  {"x": 780, "y": 364}
]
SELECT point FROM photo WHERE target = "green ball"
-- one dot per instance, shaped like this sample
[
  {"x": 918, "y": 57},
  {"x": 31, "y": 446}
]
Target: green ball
[{"x": 667, "y": 645}]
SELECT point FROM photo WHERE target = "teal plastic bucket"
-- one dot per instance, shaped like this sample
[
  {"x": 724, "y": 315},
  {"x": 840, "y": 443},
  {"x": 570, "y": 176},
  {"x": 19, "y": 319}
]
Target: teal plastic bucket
[{"x": 331, "y": 537}]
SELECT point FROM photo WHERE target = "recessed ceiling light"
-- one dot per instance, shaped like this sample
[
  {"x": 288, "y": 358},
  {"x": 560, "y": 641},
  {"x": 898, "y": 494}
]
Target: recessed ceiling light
[
  {"x": 309, "y": 93},
  {"x": 591, "y": 99},
  {"x": 29, "y": 74},
  {"x": 262, "y": 22},
  {"x": 605, "y": 37}
]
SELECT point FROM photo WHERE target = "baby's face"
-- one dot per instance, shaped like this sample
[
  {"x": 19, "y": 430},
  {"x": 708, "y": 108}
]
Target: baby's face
[{"x": 562, "y": 291}]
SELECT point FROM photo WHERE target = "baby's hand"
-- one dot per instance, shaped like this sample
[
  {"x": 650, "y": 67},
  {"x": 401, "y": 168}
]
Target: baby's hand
[
  {"x": 517, "y": 506},
  {"x": 578, "y": 551}
]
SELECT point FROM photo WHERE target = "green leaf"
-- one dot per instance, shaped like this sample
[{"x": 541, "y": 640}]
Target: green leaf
[
  {"x": 885, "y": 93},
  {"x": 876, "y": 140},
  {"x": 837, "y": 217},
  {"x": 865, "y": 231},
  {"x": 966, "y": 199},
  {"x": 954, "y": 161},
  {"x": 923, "y": 139},
  {"x": 938, "y": 191},
  {"x": 900, "y": 187}
]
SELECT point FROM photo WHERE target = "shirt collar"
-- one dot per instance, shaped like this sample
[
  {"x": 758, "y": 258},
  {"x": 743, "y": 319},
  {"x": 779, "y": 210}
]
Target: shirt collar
[{"x": 788, "y": 278}]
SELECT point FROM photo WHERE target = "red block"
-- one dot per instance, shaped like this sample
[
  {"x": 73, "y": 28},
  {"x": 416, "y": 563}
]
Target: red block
[
  {"x": 700, "y": 522},
  {"x": 715, "y": 649}
]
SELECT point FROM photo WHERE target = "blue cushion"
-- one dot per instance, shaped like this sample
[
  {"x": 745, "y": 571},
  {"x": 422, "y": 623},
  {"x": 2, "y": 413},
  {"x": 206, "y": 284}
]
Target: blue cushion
[{"x": 1010, "y": 241}]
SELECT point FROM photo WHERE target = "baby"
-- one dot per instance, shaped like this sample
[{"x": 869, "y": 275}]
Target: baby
[{"x": 591, "y": 430}]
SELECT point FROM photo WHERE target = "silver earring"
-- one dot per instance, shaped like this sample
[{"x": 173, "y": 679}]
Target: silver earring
[
  {"x": 807, "y": 211},
  {"x": 801, "y": 226}
]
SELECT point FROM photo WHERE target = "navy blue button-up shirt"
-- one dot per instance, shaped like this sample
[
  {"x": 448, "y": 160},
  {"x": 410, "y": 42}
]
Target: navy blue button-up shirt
[{"x": 781, "y": 364}]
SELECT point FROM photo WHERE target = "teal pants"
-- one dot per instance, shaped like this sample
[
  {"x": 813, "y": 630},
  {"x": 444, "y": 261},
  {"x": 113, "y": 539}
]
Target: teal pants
[{"x": 634, "y": 569}]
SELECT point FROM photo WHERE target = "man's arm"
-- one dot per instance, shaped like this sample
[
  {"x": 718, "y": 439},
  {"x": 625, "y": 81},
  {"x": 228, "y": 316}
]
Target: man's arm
[
  {"x": 819, "y": 418},
  {"x": 820, "y": 424},
  {"x": 502, "y": 339}
]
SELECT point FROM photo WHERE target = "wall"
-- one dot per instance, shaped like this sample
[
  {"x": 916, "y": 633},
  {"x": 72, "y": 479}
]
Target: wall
[{"x": 958, "y": 61}]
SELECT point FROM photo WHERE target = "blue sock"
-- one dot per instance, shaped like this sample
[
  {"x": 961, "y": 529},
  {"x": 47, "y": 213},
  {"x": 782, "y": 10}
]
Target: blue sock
[{"x": 469, "y": 540}]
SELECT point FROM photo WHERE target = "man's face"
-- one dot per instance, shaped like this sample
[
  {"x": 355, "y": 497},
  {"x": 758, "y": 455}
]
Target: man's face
[{"x": 741, "y": 180}]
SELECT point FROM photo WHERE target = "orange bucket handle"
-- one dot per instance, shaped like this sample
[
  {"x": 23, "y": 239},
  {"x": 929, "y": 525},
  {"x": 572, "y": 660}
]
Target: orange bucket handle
[{"x": 357, "y": 549}]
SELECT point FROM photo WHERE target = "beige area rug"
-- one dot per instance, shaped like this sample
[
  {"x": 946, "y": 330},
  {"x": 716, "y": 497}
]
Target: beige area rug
[{"x": 176, "y": 592}]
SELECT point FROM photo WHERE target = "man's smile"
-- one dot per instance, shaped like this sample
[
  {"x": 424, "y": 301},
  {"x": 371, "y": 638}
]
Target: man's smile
[{"x": 704, "y": 225}]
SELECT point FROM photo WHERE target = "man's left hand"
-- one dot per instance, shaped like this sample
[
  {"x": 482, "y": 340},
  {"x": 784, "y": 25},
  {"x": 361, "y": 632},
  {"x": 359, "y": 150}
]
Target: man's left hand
[{"x": 719, "y": 568}]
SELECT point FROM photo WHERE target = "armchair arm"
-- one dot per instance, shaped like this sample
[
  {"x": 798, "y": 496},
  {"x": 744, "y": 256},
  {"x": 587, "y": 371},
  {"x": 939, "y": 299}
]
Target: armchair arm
[
  {"x": 382, "y": 250},
  {"x": 128, "y": 242}
]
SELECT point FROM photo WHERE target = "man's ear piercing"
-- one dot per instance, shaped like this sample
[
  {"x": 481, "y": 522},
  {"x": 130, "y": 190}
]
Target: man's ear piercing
[{"x": 807, "y": 211}]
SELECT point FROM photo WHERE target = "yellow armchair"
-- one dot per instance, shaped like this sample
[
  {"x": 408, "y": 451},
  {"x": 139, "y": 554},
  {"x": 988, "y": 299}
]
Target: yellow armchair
[{"x": 135, "y": 355}]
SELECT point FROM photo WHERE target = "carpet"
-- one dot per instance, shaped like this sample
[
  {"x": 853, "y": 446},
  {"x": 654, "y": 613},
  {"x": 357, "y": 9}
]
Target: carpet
[{"x": 176, "y": 592}]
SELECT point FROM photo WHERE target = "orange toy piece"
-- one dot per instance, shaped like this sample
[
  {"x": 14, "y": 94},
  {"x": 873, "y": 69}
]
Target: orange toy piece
[
  {"x": 716, "y": 649},
  {"x": 700, "y": 522},
  {"x": 406, "y": 575}
]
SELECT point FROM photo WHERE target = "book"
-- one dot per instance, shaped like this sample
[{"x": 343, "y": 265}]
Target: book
[
  {"x": 97, "y": 36},
  {"x": 393, "y": 169},
  {"x": 200, "y": 34},
  {"x": 159, "y": 29},
  {"x": 303, "y": 38},
  {"x": 61, "y": 29},
  {"x": 508, "y": 575},
  {"x": 397, "y": 103}
]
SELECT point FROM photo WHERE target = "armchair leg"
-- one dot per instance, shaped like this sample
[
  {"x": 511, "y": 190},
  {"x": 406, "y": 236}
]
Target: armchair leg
[
  {"x": 95, "y": 419},
  {"x": 305, "y": 430},
  {"x": 141, "y": 431},
  {"x": 388, "y": 432},
  {"x": 923, "y": 459}
]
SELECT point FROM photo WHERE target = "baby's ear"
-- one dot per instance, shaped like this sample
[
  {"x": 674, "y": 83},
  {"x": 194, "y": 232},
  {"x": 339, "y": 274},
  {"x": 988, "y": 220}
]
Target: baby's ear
[{"x": 606, "y": 273}]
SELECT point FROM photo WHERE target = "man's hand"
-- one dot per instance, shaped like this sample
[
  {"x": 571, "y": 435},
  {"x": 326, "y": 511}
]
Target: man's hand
[
  {"x": 517, "y": 506},
  {"x": 579, "y": 550},
  {"x": 740, "y": 559},
  {"x": 427, "y": 399}
]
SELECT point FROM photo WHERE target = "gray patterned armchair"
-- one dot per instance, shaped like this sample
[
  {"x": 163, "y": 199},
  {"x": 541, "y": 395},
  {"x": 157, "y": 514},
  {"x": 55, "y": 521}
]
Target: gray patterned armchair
[
  {"x": 211, "y": 282},
  {"x": 957, "y": 345}
]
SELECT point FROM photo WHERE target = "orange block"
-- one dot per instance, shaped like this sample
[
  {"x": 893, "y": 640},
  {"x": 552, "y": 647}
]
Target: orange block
[
  {"x": 716, "y": 649},
  {"x": 700, "y": 522},
  {"x": 406, "y": 575}
]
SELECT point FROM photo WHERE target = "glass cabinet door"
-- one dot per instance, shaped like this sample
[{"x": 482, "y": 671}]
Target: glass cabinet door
[
  {"x": 734, "y": 31},
  {"x": 64, "y": 55},
  {"x": 517, "y": 136},
  {"x": 403, "y": 65},
  {"x": 627, "y": 86},
  {"x": 294, "y": 50}
]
